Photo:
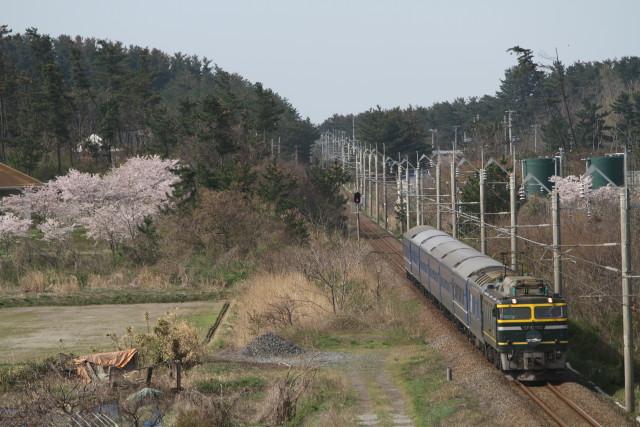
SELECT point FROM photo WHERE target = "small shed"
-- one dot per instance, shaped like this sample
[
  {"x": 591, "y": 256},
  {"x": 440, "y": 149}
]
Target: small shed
[{"x": 13, "y": 181}]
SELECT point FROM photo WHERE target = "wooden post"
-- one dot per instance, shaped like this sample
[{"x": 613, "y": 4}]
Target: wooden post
[
  {"x": 149, "y": 374},
  {"x": 178, "y": 366},
  {"x": 110, "y": 376}
]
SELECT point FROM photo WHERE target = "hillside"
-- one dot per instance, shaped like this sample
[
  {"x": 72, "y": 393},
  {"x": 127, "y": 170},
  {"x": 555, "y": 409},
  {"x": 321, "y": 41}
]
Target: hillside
[
  {"x": 584, "y": 107},
  {"x": 57, "y": 92}
]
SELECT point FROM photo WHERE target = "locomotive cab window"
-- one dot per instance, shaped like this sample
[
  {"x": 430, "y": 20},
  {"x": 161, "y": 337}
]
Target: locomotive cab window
[
  {"x": 515, "y": 313},
  {"x": 553, "y": 312}
]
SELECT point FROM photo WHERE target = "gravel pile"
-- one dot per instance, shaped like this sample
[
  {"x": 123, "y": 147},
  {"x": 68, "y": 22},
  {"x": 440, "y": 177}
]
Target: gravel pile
[{"x": 271, "y": 345}]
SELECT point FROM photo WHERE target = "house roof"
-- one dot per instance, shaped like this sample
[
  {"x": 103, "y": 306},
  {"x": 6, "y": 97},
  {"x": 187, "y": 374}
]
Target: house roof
[{"x": 13, "y": 179}]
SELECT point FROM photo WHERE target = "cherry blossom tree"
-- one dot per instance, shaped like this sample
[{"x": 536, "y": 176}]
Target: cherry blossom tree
[
  {"x": 577, "y": 191},
  {"x": 109, "y": 207},
  {"x": 13, "y": 226}
]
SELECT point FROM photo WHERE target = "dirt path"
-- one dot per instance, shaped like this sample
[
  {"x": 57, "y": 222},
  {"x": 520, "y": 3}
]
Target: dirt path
[{"x": 380, "y": 401}]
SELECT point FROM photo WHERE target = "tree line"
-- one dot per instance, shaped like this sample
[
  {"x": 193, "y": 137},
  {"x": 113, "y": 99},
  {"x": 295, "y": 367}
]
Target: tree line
[
  {"x": 84, "y": 103},
  {"x": 585, "y": 107}
]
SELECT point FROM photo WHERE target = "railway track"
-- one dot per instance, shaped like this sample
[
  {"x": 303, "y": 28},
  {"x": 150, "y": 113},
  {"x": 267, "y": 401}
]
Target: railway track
[
  {"x": 562, "y": 410},
  {"x": 558, "y": 407}
]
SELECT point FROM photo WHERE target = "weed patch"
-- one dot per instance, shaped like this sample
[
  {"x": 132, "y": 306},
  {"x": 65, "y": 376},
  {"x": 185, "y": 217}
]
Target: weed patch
[
  {"x": 434, "y": 401},
  {"x": 110, "y": 296},
  {"x": 218, "y": 386}
]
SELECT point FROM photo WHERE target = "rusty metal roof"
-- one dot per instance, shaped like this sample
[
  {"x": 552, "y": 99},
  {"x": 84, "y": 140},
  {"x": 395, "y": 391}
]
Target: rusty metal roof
[{"x": 12, "y": 179}]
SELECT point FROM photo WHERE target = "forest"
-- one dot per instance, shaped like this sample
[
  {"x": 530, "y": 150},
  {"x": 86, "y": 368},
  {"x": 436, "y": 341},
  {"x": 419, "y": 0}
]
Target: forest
[
  {"x": 87, "y": 104},
  {"x": 582, "y": 107}
]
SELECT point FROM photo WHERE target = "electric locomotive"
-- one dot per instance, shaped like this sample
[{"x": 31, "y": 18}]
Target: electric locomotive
[{"x": 517, "y": 321}]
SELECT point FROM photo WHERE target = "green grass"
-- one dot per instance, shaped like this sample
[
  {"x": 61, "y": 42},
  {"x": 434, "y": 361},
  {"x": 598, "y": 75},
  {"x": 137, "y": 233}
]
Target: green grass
[
  {"x": 110, "y": 296},
  {"x": 323, "y": 395},
  {"x": 433, "y": 400},
  {"x": 604, "y": 367},
  {"x": 200, "y": 268}
]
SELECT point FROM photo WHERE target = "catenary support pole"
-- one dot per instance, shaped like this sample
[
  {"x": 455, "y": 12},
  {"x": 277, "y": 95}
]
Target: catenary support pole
[
  {"x": 408, "y": 198},
  {"x": 363, "y": 177},
  {"x": 438, "y": 211},
  {"x": 384, "y": 187},
  {"x": 483, "y": 225},
  {"x": 454, "y": 216},
  {"x": 358, "y": 221},
  {"x": 400, "y": 200},
  {"x": 629, "y": 399},
  {"x": 417, "y": 189},
  {"x": 370, "y": 189},
  {"x": 357, "y": 168},
  {"x": 557, "y": 256},
  {"x": 375, "y": 177},
  {"x": 513, "y": 228}
]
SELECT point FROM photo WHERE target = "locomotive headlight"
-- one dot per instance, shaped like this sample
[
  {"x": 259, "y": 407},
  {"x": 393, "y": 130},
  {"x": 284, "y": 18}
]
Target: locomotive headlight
[
  {"x": 550, "y": 300},
  {"x": 514, "y": 301}
]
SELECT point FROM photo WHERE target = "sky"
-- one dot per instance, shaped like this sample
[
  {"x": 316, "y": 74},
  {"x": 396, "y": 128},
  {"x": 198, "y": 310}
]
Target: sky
[{"x": 347, "y": 56}]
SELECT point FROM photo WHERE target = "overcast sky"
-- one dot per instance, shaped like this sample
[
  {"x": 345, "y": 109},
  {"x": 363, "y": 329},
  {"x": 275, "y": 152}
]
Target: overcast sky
[{"x": 346, "y": 56}]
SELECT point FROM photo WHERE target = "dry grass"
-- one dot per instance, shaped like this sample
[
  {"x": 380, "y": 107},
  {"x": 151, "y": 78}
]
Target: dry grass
[
  {"x": 48, "y": 281},
  {"x": 149, "y": 279},
  {"x": 331, "y": 286},
  {"x": 277, "y": 301}
]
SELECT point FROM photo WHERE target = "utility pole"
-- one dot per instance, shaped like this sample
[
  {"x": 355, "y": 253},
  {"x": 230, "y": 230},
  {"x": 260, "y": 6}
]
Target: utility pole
[
  {"x": 384, "y": 186},
  {"x": 358, "y": 221},
  {"x": 512, "y": 203},
  {"x": 629, "y": 398},
  {"x": 557, "y": 256},
  {"x": 438, "y": 212},
  {"x": 509, "y": 123},
  {"x": 353, "y": 127},
  {"x": 433, "y": 134},
  {"x": 417, "y": 188},
  {"x": 365, "y": 177},
  {"x": 454, "y": 216},
  {"x": 483, "y": 225},
  {"x": 370, "y": 192},
  {"x": 377, "y": 190},
  {"x": 399, "y": 186},
  {"x": 355, "y": 162},
  {"x": 408, "y": 198}
]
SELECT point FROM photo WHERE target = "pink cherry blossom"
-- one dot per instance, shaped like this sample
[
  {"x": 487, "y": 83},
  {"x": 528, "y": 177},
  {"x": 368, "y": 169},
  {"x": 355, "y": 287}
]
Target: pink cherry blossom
[
  {"x": 13, "y": 226},
  {"x": 109, "y": 207}
]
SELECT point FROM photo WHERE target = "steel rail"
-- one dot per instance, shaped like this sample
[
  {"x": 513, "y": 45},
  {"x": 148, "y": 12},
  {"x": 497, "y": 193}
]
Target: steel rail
[
  {"x": 542, "y": 405},
  {"x": 588, "y": 418}
]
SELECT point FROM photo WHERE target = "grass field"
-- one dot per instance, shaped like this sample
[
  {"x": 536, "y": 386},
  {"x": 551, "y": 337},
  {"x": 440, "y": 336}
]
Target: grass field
[{"x": 30, "y": 333}]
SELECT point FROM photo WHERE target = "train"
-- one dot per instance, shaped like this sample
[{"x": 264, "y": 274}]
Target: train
[{"x": 516, "y": 321}]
